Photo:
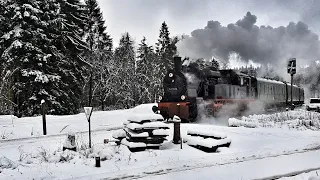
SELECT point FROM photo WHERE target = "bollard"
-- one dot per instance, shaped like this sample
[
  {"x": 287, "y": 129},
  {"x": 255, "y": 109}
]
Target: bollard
[
  {"x": 176, "y": 130},
  {"x": 98, "y": 161}
]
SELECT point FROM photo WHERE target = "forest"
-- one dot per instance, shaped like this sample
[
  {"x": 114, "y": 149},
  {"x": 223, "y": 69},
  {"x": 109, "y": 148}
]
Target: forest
[{"x": 60, "y": 51}]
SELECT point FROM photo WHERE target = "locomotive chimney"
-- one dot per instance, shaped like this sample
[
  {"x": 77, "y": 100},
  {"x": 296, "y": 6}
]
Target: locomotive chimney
[{"x": 177, "y": 64}]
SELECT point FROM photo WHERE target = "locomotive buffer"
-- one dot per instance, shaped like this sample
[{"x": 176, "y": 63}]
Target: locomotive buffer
[{"x": 292, "y": 70}]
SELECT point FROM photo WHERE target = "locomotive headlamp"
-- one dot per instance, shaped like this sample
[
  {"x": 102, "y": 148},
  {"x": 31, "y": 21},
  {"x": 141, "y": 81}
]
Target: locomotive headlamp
[
  {"x": 160, "y": 98},
  {"x": 170, "y": 75},
  {"x": 183, "y": 97}
]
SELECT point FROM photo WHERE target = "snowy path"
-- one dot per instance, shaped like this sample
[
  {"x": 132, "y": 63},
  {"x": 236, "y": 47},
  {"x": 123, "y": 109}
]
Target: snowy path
[
  {"x": 264, "y": 168},
  {"x": 265, "y": 165}
]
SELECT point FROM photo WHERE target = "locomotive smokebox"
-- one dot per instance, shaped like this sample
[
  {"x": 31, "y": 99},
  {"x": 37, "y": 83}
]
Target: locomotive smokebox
[{"x": 177, "y": 64}]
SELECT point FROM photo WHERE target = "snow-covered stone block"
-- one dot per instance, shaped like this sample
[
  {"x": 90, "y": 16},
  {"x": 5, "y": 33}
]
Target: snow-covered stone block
[
  {"x": 141, "y": 118},
  {"x": 132, "y": 134},
  {"x": 215, "y": 135},
  {"x": 148, "y": 125},
  {"x": 207, "y": 144},
  {"x": 133, "y": 144},
  {"x": 160, "y": 132}
]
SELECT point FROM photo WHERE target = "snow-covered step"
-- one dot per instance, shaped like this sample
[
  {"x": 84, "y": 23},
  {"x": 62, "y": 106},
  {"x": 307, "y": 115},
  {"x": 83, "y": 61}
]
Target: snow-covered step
[
  {"x": 207, "y": 144},
  {"x": 147, "y": 125},
  {"x": 143, "y": 118},
  {"x": 206, "y": 134},
  {"x": 131, "y": 134},
  {"x": 134, "y": 146}
]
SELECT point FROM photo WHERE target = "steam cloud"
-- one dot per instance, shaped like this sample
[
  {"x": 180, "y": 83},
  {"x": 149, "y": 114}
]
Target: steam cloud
[{"x": 264, "y": 44}]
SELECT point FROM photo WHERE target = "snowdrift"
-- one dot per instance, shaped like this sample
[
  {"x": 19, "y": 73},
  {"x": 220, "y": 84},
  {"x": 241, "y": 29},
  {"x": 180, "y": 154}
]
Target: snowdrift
[{"x": 298, "y": 119}]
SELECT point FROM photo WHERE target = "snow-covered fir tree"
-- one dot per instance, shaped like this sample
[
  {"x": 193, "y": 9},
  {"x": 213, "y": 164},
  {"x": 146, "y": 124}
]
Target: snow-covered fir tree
[
  {"x": 41, "y": 55},
  {"x": 126, "y": 90},
  {"x": 165, "y": 49},
  {"x": 148, "y": 80}
]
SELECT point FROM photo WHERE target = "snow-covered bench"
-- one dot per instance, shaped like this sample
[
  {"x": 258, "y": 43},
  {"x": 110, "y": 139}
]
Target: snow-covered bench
[{"x": 206, "y": 140}]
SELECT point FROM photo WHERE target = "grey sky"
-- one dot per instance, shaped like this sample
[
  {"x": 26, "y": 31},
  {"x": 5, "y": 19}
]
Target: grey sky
[{"x": 144, "y": 17}]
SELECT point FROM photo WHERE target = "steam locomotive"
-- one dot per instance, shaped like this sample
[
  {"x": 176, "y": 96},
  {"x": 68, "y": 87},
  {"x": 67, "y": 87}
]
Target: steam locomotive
[{"x": 185, "y": 91}]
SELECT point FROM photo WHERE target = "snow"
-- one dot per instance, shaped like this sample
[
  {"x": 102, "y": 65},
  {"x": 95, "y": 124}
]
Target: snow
[
  {"x": 6, "y": 163},
  {"x": 16, "y": 44},
  {"x": 254, "y": 153},
  {"x": 160, "y": 132},
  {"x": 31, "y": 8},
  {"x": 133, "y": 144},
  {"x": 233, "y": 122},
  {"x": 143, "y": 117},
  {"x": 12, "y": 127},
  {"x": 135, "y": 135},
  {"x": 298, "y": 119},
  {"x": 269, "y": 81},
  {"x": 26, "y": 14},
  {"x": 119, "y": 134},
  {"x": 206, "y": 133},
  {"x": 205, "y": 142},
  {"x": 148, "y": 125}
]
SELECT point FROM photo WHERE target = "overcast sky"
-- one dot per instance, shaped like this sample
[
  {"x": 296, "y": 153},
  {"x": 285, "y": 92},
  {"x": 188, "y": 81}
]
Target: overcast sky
[{"x": 144, "y": 17}]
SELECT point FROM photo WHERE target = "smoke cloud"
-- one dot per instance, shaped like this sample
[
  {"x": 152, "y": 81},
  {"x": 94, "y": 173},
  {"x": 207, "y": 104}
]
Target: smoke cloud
[{"x": 264, "y": 44}]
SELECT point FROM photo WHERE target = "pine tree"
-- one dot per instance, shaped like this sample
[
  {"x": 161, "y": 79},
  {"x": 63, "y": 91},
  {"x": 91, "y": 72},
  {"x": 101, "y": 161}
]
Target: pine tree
[
  {"x": 42, "y": 49},
  {"x": 145, "y": 72},
  {"x": 125, "y": 57},
  {"x": 166, "y": 49},
  {"x": 100, "y": 54},
  {"x": 5, "y": 104}
]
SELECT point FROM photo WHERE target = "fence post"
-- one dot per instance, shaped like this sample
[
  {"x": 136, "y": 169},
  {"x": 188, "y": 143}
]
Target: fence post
[{"x": 44, "y": 123}]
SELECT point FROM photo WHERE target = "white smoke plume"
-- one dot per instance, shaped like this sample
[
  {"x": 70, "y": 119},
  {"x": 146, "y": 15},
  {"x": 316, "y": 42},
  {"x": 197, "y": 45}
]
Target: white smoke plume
[{"x": 263, "y": 45}]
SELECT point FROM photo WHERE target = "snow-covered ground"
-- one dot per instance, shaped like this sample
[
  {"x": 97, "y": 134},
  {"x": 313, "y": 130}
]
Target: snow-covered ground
[{"x": 254, "y": 153}]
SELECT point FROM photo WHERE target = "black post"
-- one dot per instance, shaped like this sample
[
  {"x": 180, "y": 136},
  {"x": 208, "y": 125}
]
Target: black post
[
  {"x": 89, "y": 133},
  {"x": 98, "y": 161},
  {"x": 44, "y": 123},
  {"x": 176, "y": 129},
  {"x": 291, "y": 92}
]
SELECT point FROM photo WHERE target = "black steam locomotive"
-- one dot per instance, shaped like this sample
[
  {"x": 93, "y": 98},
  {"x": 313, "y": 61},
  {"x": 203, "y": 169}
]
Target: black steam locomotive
[{"x": 185, "y": 90}]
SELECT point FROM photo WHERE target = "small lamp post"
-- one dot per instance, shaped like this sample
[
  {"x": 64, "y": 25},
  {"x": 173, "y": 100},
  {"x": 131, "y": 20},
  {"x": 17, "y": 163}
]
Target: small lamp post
[{"x": 44, "y": 123}]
